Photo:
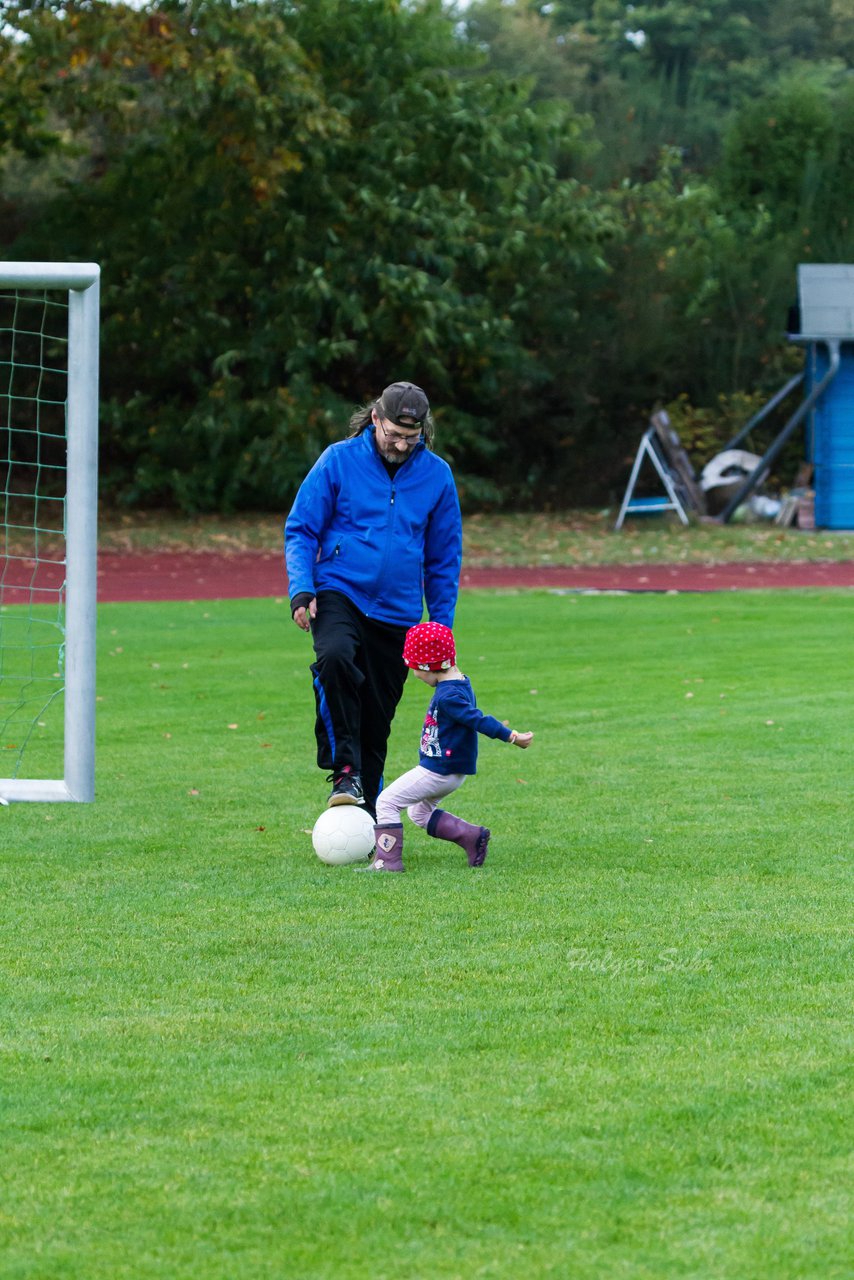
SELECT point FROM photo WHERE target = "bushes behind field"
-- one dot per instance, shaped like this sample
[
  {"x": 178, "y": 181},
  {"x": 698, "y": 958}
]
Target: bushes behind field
[{"x": 293, "y": 205}]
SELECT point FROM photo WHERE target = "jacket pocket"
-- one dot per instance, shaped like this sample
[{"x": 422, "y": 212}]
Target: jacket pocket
[{"x": 330, "y": 552}]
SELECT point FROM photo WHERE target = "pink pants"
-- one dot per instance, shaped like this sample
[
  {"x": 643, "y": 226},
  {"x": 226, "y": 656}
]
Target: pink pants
[{"x": 417, "y": 792}]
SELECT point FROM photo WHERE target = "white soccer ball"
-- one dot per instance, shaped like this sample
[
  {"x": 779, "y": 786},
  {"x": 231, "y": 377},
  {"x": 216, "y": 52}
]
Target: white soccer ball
[{"x": 342, "y": 834}]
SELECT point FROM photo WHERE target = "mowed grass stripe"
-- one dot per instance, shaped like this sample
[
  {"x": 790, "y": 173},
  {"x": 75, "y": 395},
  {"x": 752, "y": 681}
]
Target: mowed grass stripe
[{"x": 622, "y": 1048}]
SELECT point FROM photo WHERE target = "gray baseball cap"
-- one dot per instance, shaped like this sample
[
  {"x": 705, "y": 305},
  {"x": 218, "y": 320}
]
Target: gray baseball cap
[{"x": 404, "y": 400}]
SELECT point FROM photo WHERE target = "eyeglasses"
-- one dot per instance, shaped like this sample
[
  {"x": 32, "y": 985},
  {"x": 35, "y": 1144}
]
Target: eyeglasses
[{"x": 394, "y": 437}]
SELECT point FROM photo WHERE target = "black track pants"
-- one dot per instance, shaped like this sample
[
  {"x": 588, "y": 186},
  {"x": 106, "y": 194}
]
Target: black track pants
[{"x": 359, "y": 675}]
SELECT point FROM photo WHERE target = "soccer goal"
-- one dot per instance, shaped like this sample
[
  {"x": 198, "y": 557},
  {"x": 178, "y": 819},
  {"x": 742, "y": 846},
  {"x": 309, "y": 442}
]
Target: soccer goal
[{"x": 49, "y": 344}]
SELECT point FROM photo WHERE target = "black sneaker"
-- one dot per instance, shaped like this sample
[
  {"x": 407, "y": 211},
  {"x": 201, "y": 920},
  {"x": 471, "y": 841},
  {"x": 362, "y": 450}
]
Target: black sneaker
[{"x": 346, "y": 788}]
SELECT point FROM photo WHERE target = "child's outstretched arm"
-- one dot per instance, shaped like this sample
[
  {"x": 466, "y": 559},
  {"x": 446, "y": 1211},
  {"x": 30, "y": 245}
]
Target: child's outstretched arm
[{"x": 522, "y": 740}]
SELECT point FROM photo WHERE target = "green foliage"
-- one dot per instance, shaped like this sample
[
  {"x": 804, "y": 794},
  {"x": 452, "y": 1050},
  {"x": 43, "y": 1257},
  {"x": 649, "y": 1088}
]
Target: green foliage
[
  {"x": 195, "y": 120},
  {"x": 792, "y": 152},
  {"x": 693, "y": 292},
  {"x": 527, "y": 208},
  {"x": 707, "y": 430},
  {"x": 290, "y": 208},
  {"x": 668, "y": 72},
  {"x": 774, "y": 144}
]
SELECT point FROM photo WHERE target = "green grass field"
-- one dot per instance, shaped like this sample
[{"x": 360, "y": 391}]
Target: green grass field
[{"x": 621, "y": 1049}]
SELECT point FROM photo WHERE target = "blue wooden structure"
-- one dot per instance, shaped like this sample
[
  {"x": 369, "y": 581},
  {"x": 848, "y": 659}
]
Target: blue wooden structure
[
  {"x": 830, "y": 439},
  {"x": 826, "y": 306}
]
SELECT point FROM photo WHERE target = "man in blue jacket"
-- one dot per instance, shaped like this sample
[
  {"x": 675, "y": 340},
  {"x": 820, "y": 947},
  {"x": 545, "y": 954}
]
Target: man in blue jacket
[{"x": 374, "y": 534}]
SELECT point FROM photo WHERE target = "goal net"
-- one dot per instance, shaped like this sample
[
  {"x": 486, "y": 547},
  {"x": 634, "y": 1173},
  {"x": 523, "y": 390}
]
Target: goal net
[{"x": 48, "y": 538}]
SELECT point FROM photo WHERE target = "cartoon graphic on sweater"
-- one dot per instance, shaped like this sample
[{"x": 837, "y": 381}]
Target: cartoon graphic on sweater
[{"x": 430, "y": 737}]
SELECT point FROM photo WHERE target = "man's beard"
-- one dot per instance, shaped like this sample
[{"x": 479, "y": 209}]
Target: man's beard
[{"x": 393, "y": 455}]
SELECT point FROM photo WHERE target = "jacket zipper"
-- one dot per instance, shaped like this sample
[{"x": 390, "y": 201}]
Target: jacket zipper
[{"x": 386, "y": 554}]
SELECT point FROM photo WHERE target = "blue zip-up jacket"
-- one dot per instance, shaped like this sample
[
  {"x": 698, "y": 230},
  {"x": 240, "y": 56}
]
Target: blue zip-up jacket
[
  {"x": 451, "y": 726},
  {"x": 388, "y": 544}
]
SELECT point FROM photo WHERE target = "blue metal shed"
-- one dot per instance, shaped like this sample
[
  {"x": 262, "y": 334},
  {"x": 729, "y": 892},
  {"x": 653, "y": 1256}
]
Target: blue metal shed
[
  {"x": 830, "y": 438},
  {"x": 826, "y": 292}
]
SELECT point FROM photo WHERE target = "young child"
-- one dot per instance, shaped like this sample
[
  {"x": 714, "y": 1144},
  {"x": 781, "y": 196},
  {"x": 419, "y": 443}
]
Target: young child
[{"x": 448, "y": 754}]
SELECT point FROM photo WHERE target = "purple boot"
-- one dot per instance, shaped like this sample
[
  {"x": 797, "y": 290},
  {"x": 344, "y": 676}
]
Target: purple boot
[
  {"x": 389, "y": 851},
  {"x": 475, "y": 840}
]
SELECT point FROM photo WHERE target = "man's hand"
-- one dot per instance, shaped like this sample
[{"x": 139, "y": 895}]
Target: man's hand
[
  {"x": 305, "y": 616},
  {"x": 522, "y": 740}
]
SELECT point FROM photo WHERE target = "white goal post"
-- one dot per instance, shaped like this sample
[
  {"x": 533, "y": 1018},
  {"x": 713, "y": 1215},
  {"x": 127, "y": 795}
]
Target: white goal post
[{"x": 78, "y": 286}]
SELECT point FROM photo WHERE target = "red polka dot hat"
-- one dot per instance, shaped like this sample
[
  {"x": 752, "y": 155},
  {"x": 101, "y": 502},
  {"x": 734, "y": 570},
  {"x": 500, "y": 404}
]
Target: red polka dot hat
[{"x": 429, "y": 647}]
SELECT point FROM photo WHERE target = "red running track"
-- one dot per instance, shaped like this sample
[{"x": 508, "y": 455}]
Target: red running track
[{"x": 208, "y": 575}]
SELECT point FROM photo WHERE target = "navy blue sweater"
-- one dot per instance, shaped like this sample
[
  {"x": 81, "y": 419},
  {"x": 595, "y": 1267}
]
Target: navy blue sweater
[{"x": 451, "y": 726}]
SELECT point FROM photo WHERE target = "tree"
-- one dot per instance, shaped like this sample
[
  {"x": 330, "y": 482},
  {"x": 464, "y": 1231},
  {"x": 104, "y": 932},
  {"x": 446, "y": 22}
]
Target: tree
[
  {"x": 669, "y": 72},
  {"x": 790, "y": 153},
  {"x": 291, "y": 204}
]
